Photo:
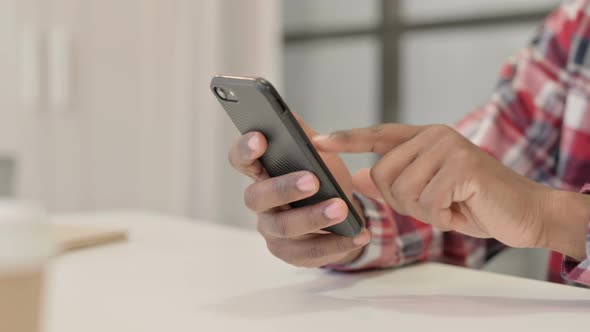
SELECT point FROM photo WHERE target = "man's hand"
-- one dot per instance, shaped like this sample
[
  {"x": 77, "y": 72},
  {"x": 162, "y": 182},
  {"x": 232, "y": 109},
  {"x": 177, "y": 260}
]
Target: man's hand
[
  {"x": 294, "y": 235},
  {"x": 434, "y": 174}
]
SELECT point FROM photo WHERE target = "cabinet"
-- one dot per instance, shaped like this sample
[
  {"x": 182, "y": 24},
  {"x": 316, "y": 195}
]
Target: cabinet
[
  {"x": 112, "y": 109},
  {"x": 86, "y": 97}
]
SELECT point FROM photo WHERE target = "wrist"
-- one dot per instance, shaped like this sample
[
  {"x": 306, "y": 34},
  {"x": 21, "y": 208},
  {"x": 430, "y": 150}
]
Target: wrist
[{"x": 565, "y": 223}]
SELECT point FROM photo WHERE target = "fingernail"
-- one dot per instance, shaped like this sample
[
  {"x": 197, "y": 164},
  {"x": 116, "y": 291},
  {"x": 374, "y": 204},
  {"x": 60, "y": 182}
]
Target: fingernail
[
  {"x": 361, "y": 239},
  {"x": 319, "y": 138},
  {"x": 306, "y": 183},
  {"x": 334, "y": 211},
  {"x": 253, "y": 142}
]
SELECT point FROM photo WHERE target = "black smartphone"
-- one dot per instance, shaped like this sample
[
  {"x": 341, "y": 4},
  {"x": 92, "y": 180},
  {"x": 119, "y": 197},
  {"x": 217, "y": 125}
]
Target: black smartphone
[{"x": 253, "y": 104}]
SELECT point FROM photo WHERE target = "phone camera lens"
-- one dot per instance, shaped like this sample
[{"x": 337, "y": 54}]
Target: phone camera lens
[{"x": 221, "y": 93}]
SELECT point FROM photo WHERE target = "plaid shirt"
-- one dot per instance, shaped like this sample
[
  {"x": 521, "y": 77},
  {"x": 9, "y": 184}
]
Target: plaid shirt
[{"x": 537, "y": 123}]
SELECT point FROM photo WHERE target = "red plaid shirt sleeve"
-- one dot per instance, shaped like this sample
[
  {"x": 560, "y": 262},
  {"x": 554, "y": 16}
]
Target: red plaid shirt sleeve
[{"x": 537, "y": 123}]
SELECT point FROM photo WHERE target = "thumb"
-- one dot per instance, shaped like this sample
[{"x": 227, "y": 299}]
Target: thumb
[{"x": 363, "y": 183}]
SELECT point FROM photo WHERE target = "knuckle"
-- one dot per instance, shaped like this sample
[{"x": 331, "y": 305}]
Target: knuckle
[
  {"x": 401, "y": 209},
  {"x": 380, "y": 129},
  {"x": 399, "y": 206},
  {"x": 280, "y": 225},
  {"x": 449, "y": 129},
  {"x": 401, "y": 189},
  {"x": 441, "y": 222},
  {"x": 282, "y": 187},
  {"x": 378, "y": 173},
  {"x": 396, "y": 191},
  {"x": 444, "y": 132},
  {"x": 455, "y": 138},
  {"x": 230, "y": 159},
  {"x": 260, "y": 228},
  {"x": 316, "y": 250},
  {"x": 304, "y": 264},
  {"x": 251, "y": 197},
  {"x": 275, "y": 248},
  {"x": 342, "y": 135},
  {"x": 342, "y": 244},
  {"x": 443, "y": 129},
  {"x": 403, "y": 198},
  {"x": 315, "y": 218},
  {"x": 297, "y": 264},
  {"x": 426, "y": 201},
  {"x": 464, "y": 157},
  {"x": 461, "y": 154}
]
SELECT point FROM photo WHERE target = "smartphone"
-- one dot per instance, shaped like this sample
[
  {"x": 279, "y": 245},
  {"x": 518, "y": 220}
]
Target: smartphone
[{"x": 253, "y": 104}]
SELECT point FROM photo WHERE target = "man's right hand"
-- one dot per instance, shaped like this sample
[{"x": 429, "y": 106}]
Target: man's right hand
[{"x": 295, "y": 235}]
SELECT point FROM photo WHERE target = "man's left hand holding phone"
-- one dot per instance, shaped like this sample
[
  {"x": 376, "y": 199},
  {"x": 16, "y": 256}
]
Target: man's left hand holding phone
[{"x": 295, "y": 235}]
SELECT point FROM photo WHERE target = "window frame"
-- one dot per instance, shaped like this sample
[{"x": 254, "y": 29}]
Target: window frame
[{"x": 389, "y": 31}]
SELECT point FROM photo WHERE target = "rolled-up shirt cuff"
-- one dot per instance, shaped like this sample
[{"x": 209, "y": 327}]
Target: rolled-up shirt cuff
[
  {"x": 376, "y": 253},
  {"x": 572, "y": 269}
]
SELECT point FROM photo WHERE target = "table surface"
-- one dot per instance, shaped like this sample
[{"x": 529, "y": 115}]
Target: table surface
[{"x": 176, "y": 274}]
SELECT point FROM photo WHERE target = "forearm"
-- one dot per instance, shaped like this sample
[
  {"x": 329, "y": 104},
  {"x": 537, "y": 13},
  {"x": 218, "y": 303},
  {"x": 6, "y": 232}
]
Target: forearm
[{"x": 566, "y": 223}]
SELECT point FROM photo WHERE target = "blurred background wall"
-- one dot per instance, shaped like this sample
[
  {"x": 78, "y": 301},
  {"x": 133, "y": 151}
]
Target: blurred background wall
[{"x": 105, "y": 104}]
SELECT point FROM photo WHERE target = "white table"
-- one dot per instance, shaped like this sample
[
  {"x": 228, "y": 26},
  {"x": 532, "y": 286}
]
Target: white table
[{"x": 181, "y": 275}]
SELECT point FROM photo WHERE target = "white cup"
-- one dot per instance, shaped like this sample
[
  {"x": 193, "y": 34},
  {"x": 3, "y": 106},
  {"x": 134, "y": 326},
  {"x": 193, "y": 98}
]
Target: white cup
[{"x": 25, "y": 249}]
